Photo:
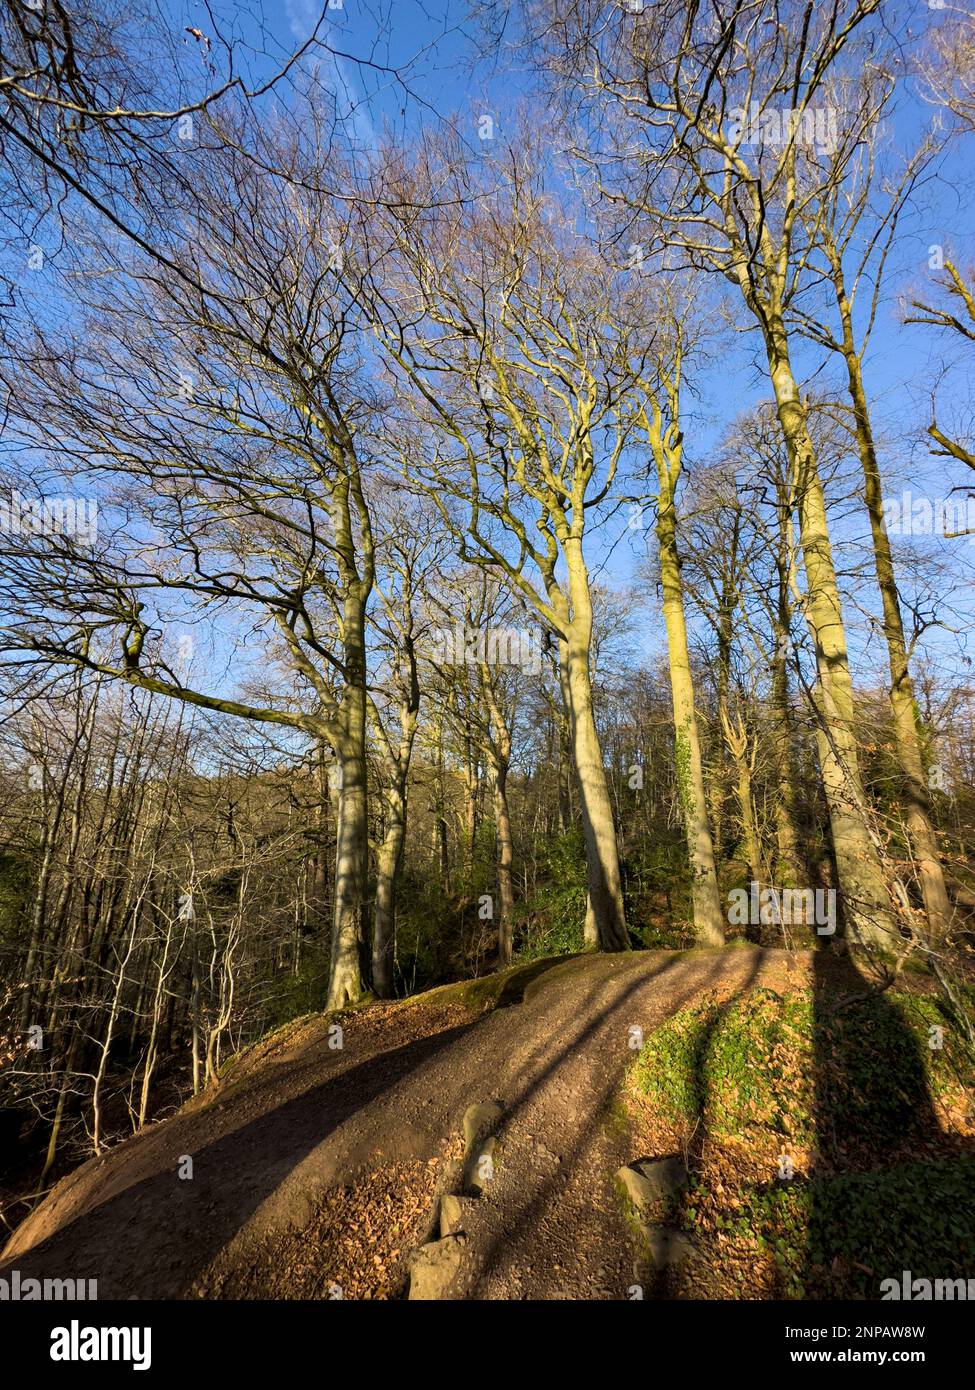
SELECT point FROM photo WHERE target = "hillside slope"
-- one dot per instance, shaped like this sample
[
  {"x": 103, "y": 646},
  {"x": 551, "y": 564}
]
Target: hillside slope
[{"x": 315, "y": 1169}]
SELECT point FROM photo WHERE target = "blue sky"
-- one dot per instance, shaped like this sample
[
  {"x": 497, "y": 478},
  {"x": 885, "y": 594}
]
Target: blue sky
[{"x": 403, "y": 62}]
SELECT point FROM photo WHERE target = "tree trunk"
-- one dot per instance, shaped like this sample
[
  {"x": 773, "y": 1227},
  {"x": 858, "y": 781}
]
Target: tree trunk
[
  {"x": 345, "y": 983},
  {"x": 749, "y": 832},
  {"x": 502, "y": 817},
  {"x": 605, "y": 917},
  {"x": 709, "y": 921},
  {"x": 861, "y": 878},
  {"x": 195, "y": 1015},
  {"x": 789, "y": 857},
  {"x": 917, "y": 797},
  {"x": 564, "y": 779},
  {"x": 388, "y": 863},
  {"x": 718, "y": 781}
]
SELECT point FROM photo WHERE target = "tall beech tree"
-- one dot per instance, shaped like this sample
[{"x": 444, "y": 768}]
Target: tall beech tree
[
  {"x": 478, "y": 688},
  {"x": 849, "y": 230},
  {"x": 721, "y": 547},
  {"x": 509, "y": 336},
  {"x": 698, "y": 124},
  {"x": 659, "y": 418},
  {"x": 408, "y": 551}
]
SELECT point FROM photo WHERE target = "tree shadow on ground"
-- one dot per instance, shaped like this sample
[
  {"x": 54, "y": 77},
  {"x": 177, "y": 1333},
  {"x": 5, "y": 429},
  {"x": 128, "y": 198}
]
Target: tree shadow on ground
[
  {"x": 880, "y": 1184},
  {"x": 891, "y": 1186},
  {"x": 602, "y": 1001},
  {"x": 664, "y": 1282},
  {"x": 155, "y": 1236},
  {"x": 609, "y": 1000}
]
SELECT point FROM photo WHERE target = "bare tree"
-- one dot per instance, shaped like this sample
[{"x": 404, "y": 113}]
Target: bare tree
[
  {"x": 522, "y": 365},
  {"x": 700, "y": 122},
  {"x": 659, "y": 416},
  {"x": 229, "y": 423}
]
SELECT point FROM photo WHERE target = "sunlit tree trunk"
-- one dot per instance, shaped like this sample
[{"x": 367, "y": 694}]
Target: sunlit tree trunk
[
  {"x": 506, "y": 892},
  {"x": 789, "y": 857},
  {"x": 708, "y": 917},
  {"x": 736, "y": 736},
  {"x": 666, "y": 444},
  {"x": 606, "y": 920},
  {"x": 865, "y": 900},
  {"x": 917, "y": 797},
  {"x": 346, "y": 984}
]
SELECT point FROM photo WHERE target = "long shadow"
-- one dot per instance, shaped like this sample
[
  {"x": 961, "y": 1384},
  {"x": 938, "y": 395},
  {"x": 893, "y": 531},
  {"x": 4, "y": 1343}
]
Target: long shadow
[
  {"x": 510, "y": 1238},
  {"x": 881, "y": 1154},
  {"x": 233, "y": 1174},
  {"x": 890, "y": 1189},
  {"x": 520, "y": 1091},
  {"x": 160, "y": 1232},
  {"x": 661, "y": 1283}
]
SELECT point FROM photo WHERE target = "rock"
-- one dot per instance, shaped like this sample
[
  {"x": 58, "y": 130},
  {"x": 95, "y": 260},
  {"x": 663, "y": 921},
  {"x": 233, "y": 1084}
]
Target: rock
[
  {"x": 479, "y": 1168},
  {"x": 435, "y": 1267},
  {"x": 452, "y": 1214},
  {"x": 302, "y": 1212},
  {"x": 653, "y": 1178},
  {"x": 669, "y": 1248},
  {"x": 480, "y": 1120}
]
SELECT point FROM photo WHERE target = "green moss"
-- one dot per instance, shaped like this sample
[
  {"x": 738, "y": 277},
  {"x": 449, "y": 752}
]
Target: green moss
[
  {"x": 682, "y": 763},
  {"x": 495, "y": 991},
  {"x": 841, "y": 1236},
  {"x": 765, "y": 1061},
  {"x": 852, "y": 1085}
]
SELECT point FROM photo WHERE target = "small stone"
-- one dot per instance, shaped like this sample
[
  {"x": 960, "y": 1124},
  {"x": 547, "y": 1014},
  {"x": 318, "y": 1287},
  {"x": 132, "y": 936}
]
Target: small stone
[
  {"x": 480, "y": 1120},
  {"x": 653, "y": 1178},
  {"x": 435, "y": 1268},
  {"x": 479, "y": 1168},
  {"x": 452, "y": 1214}
]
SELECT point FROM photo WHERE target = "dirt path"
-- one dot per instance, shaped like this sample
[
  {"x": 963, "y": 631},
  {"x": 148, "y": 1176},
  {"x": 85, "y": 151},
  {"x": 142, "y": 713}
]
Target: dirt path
[{"x": 314, "y": 1168}]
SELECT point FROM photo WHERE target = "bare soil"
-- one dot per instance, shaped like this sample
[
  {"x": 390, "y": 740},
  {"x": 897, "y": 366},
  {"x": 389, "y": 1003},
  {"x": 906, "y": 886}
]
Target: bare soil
[{"x": 315, "y": 1169}]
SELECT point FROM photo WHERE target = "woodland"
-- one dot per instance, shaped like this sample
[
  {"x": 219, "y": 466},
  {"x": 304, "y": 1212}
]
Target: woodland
[{"x": 481, "y": 487}]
